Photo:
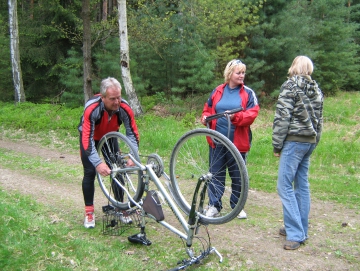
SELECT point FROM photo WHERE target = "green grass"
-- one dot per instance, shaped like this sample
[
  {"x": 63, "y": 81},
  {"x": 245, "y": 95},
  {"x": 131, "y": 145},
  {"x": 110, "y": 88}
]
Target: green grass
[{"x": 30, "y": 241}]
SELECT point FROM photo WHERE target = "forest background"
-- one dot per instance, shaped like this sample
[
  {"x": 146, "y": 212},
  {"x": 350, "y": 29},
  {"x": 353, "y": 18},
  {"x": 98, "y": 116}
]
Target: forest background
[{"x": 179, "y": 48}]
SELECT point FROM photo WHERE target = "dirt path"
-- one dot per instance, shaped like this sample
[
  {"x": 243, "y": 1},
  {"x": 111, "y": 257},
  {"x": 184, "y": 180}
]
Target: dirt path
[{"x": 253, "y": 243}]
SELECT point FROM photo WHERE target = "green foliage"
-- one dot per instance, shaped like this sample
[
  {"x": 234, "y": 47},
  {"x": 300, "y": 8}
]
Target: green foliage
[
  {"x": 222, "y": 25},
  {"x": 152, "y": 35},
  {"x": 160, "y": 97},
  {"x": 186, "y": 44},
  {"x": 319, "y": 29},
  {"x": 6, "y": 82},
  {"x": 336, "y": 58},
  {"x": 106, "y": 63},
  {"x": 43, "y": 46},
  {"x": 107, "y": 59},
  {"x": 148, "y": 102},
  {"x": 70, "y": 75},
  {"x": 195, "y": 69},
  {"x": 189, "y": 120},
  {"x": 180, "y": 48}
]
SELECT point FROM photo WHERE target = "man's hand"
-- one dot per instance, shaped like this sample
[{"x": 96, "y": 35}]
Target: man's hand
[
  {"x": 130, "y": 163},
  {"x": 103, "y": 169},
  {"x": 277, "y": 154}
]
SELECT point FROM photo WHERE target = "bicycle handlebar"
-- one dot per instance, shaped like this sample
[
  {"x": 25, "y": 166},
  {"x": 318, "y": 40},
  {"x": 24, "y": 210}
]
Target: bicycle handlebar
[
  {"x": 195, "y": 260},
  {"x": 219, "y": 115}
]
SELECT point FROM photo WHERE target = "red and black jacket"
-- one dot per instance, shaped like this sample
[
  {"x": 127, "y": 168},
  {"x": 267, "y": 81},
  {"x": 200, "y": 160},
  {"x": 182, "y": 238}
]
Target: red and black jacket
[{"x": 96, "y": 122}]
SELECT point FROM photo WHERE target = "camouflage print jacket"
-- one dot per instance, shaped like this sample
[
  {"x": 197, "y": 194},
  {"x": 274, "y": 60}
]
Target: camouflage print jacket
[{"x": 299, "y": 112}]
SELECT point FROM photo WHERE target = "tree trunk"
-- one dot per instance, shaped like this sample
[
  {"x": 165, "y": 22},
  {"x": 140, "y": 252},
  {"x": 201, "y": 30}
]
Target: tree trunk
[
  {"x": 87, "y": 74},
  {"x": 125, "y": 60},
  {"x": 15, "y": 54},
  {"x": 104, "y": 10}
]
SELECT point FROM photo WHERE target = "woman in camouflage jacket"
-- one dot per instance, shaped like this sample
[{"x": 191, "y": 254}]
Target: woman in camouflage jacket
[{"x": 296, "y": 132}]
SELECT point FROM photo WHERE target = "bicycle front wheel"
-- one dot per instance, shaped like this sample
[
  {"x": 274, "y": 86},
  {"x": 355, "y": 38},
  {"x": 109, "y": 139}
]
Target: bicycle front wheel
[
  {"x": 222, "y": 167},
  {"x": 114, "y": 149}
]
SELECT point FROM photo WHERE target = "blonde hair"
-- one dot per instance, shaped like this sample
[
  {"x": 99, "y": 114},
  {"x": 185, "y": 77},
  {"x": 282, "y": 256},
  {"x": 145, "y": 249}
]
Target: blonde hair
[
  {"x": 302, "y": 65},
  {"x": 107, "y": 83},
  {"x": 229, "y": 69}
]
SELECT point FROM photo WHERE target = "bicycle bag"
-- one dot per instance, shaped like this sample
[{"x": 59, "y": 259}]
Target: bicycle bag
[{"x": 152, "y": 205}]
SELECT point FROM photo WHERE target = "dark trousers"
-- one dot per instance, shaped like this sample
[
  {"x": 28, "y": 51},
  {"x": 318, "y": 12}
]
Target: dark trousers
[
  {"x": 220, "y": 160},
  {"x": 88, "y": 182}
]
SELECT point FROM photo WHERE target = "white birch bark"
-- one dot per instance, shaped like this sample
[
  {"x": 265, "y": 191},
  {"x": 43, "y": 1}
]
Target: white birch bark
[
  {"x": 125, "y": 60},
  {"x": 14, "y": 52}
]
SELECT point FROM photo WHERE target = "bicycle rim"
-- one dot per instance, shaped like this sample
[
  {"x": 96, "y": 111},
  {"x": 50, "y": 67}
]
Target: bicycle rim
[
  {"x": 113, "y": 150},
  {"x": 192, "y": 158}
]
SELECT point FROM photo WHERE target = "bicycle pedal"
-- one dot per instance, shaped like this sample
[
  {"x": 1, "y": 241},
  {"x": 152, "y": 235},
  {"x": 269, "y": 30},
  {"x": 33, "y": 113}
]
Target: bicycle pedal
[
  {"x": 139, "y": 239},
  {"x": 107, "y": 208}
]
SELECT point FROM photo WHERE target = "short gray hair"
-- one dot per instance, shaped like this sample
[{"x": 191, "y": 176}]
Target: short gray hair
[{"x": 107, "y": 83}]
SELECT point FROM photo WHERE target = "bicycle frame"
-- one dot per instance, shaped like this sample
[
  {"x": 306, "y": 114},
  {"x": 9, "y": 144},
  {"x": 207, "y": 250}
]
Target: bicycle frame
[
  {"x": 190, "y": 226},
  {"x": 190, "y": 165}
]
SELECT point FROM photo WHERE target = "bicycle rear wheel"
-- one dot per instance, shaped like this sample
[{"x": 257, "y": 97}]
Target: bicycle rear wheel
[
  {"x": 192, "y": 159},
  {"x": 113, "y": 149}
]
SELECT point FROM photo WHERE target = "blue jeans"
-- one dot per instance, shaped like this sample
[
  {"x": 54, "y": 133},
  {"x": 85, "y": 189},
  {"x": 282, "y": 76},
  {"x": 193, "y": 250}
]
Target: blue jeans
[
  {"x": 293, "y": 188},
  {"x": 220, "y": 160}
]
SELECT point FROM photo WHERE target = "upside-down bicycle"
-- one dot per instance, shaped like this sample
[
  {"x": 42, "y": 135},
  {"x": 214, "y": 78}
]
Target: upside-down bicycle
[{"x": 187, "y": 192}]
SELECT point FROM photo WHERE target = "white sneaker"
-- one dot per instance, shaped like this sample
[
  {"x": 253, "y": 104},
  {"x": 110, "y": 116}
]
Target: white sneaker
[
  {"x": 212, "y": 212},
  {"x": 89, "y": 221},
  {"x": 125, "y": 219},
  {"x": 242, "y": 215}
]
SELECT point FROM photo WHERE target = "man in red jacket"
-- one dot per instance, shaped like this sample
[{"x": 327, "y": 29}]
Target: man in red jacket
[{"x": 103, "y": 113}]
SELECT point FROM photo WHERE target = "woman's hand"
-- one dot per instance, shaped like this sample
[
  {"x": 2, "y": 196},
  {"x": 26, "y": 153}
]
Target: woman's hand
[
  {"x": 203, "y": 120},
  {"x": 277, "y": 154},
  {"x": 231, "y": 116}
]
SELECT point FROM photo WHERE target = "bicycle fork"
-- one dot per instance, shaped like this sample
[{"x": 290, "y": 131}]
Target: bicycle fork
[{"x": 193, "y": 221}]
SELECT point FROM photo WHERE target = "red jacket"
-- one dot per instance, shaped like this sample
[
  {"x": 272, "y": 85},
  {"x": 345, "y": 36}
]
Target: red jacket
[
  {"x": 242, "y": 120},
  {"x": 95, "y": 123}
]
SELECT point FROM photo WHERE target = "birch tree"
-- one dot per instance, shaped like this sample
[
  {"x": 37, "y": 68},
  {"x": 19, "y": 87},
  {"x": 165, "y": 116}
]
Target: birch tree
[
  {"x": 125, "y": 60},
  {"x": 14, "y": 52}
]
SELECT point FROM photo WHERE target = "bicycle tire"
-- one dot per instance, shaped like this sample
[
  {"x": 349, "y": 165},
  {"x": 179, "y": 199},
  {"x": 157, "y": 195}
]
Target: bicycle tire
[
  {"x": 113, "y": 149},
  {"x": 190, "y": 159}
]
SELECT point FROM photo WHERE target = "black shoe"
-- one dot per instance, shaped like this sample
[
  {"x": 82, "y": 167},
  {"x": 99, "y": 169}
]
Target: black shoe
[
  {"x": 291, "y": 245},
  {"x": 282, "y": 231}
]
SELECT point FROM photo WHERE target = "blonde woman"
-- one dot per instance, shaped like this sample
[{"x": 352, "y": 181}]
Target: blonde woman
[
  {"x": 230, "y": 95},
  {"x": 296, "y": 132}
]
